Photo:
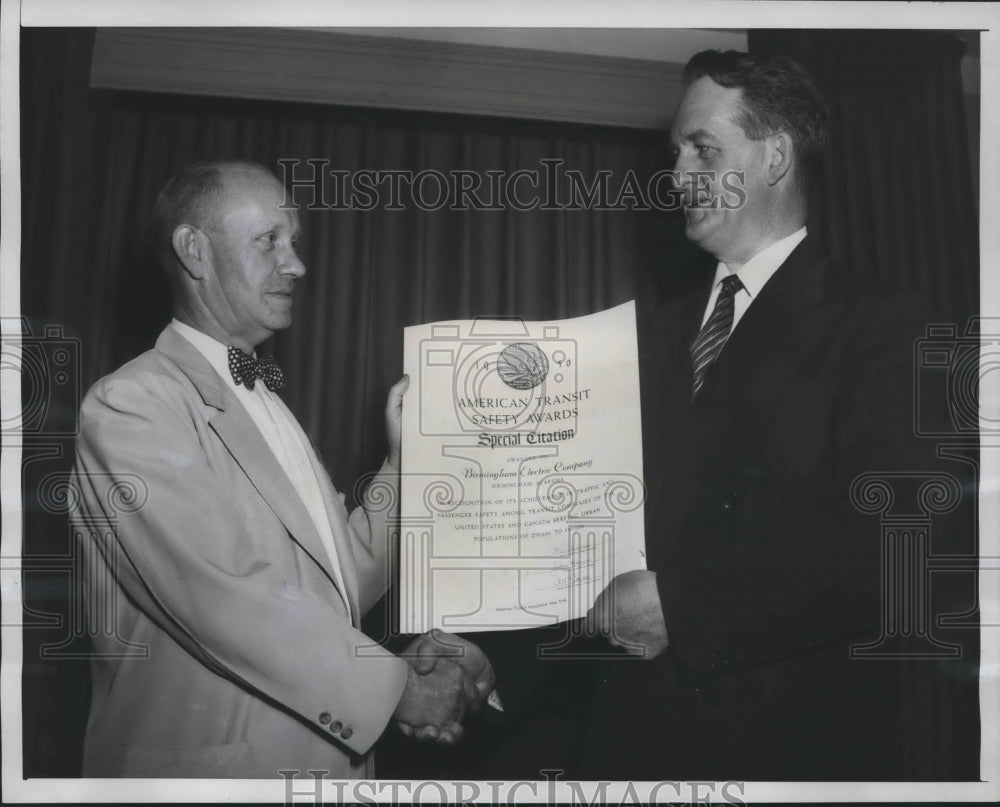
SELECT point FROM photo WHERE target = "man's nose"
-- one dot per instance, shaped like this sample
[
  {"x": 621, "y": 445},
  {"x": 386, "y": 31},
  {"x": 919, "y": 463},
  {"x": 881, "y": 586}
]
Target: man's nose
[
  {"x": 684, "y": 163},
  {"x": 682, "y": 178},
  {"x": 291, "y": 264}
]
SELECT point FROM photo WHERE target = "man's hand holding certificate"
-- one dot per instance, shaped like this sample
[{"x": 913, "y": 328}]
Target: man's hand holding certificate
[{"x": 522, "y": 483}]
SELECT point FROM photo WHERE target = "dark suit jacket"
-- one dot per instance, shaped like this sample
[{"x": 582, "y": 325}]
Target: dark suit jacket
[{"x": 766, "y": 572}]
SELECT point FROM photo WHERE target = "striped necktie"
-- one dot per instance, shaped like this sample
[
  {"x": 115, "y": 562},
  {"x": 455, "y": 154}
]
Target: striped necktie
[{"x": 714, "y": 332}]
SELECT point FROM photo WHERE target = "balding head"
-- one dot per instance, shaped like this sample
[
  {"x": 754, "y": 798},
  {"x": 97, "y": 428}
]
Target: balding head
[{"x": 195, "y": 196}]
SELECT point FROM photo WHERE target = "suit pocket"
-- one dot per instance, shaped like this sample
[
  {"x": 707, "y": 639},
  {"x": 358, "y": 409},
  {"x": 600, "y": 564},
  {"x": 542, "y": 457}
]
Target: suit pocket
[{"x": 205, "y": 762}]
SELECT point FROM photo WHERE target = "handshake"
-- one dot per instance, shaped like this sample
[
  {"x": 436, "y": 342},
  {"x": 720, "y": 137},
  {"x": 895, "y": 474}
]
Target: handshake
[{"x": 447, "y": 679}]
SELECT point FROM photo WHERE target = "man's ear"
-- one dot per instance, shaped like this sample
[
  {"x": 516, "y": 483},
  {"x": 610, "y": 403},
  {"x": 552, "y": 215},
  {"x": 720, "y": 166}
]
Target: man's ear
[
  {"x": 191, "y": 248},
  {"x": 779, "y": 157}
]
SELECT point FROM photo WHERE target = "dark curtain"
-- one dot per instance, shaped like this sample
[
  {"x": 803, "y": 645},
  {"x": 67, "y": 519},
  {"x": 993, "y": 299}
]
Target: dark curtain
[
  {"x": 896, "y": 198},
  {"x": 92, "y": 162},
  {"x": 896, "y": 201}
]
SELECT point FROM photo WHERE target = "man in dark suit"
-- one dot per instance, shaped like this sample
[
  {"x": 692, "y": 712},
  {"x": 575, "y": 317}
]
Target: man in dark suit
[{"x": 766, "y": 394}]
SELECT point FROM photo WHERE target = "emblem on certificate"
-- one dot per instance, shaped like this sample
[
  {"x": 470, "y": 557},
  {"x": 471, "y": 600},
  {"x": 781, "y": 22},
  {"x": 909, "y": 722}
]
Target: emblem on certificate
[{"x": 522, "y": 365}]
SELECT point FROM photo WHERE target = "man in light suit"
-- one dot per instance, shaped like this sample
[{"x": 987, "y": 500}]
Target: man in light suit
[
  {"x": 765, "y": 395},
  {"x": 237, "y": 566}
]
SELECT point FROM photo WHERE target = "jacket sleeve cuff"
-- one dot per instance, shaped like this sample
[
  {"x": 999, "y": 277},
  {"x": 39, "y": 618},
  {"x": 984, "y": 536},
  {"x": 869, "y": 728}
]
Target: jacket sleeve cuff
[{"x": 374, "y": 694}]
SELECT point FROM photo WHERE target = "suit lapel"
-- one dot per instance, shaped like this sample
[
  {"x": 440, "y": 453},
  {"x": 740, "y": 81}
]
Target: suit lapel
[
  {"x": 666, "y": 350},
  {"x": 796, "y": 287},
  {"x": 665, "y": 339},
  {"x": 246, "y": 444}
]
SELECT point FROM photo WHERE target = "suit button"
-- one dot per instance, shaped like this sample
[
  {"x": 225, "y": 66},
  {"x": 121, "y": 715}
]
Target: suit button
[
  {"x": 729, "y": 503},
  {"x": 324, "y": 718},
  {"x": 346, "y": 733},
  {"x": 336, "y": 726}
]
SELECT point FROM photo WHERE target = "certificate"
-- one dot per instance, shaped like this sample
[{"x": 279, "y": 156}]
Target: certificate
[{"x": 522, "y": 483}]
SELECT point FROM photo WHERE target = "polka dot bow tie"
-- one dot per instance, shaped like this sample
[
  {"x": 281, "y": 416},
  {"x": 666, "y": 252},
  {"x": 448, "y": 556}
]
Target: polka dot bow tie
[{"x": 246, "y": 369}]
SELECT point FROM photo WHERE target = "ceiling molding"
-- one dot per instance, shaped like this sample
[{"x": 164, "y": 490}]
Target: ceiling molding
[
  {"x": 651, "y": 44},
  {"x": 323, "y": 67}
]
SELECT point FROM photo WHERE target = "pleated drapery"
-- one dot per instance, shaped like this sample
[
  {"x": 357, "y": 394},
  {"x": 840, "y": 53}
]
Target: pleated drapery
[{"x": 896, "y": 199}]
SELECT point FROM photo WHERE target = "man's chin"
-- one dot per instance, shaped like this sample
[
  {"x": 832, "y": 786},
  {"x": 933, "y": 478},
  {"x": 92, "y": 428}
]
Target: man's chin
[
  {"x": 279, "y": 315},
  {"x": 279, "y": 322},
  {"x": 698, "y": 225}
]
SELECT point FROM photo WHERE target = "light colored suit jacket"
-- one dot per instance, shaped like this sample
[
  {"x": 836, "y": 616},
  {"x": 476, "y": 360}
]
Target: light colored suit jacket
[{"x": 213, "y": 566}]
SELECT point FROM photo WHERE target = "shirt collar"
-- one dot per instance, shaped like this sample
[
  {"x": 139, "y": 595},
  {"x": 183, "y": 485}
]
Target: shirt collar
[
  {"x": 212, "y": 349},
  {"x": 758, "y": 270}
]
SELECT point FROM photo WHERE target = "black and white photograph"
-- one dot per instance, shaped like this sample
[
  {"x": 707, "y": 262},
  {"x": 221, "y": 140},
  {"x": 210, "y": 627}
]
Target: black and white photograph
[{"x": 543, "y": 402}]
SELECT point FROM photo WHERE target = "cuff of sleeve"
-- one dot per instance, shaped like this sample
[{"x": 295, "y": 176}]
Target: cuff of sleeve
[{"x": 367, "y": 713}]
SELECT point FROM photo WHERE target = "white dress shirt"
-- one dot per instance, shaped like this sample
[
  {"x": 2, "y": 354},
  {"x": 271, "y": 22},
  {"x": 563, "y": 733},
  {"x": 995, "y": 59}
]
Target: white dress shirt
[
  {"x": 753, "y": 274},
  {"x": 282, "y": 433}
]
